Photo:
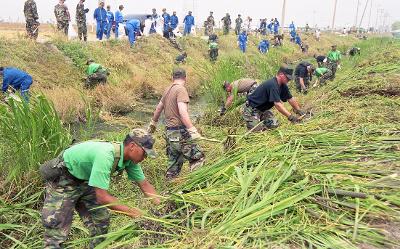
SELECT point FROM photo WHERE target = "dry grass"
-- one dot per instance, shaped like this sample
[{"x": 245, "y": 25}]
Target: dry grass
[{"x": 143, "y": 72}]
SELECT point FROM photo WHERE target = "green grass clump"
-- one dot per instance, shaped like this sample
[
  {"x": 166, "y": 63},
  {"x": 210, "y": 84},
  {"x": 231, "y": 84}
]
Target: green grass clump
[{"x": 30, "y": 134}]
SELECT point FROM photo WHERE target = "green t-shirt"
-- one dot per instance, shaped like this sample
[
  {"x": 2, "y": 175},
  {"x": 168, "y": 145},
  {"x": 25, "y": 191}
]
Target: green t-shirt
[
  {"x": 213, "y": 45},
  {"x": 334, "y": 55},
  {"x": 320, "y": 71},
  {"x": 93, "y": 161},
  {"x": 93, "y": 68}
]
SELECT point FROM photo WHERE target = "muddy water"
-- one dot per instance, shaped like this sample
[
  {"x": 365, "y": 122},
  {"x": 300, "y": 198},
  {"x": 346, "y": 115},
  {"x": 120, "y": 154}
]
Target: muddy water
[{"x": 142, "y": 113}]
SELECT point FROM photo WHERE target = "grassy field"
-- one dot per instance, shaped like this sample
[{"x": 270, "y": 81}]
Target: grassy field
[{"x": 329, "y": 182}]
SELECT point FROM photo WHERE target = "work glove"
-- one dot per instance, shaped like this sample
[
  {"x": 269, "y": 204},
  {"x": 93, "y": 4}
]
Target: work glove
[
  {"x": 292, "y": 118},
  {"x": 223, "y": 111},
  {"x": 86, "y": 10},
  {"x": 339, "y": 66},
  {"x": 152, "y": 127},
  {"x": 300, "y": 112},
  {"x": 194, "y": 133}
]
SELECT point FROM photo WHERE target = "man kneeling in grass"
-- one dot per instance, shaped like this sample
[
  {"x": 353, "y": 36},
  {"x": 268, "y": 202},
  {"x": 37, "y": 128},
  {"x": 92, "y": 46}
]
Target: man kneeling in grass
[{"x": 79, "y": 179}]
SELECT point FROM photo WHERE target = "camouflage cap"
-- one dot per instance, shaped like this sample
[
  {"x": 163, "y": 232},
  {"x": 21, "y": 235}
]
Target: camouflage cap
[{"x": 144, "y": 140}]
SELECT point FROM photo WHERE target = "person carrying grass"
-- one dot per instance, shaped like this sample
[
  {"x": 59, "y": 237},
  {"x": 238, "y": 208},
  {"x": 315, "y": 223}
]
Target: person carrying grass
[
  {"x": 180, "y": 134},
  {"x": 272, "y": 93},
  {"x": 80, "y": 178}
]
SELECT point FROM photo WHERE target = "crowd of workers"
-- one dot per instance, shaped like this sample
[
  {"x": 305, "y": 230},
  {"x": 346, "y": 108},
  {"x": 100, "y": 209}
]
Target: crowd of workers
[{"x": 79, "y": 178}]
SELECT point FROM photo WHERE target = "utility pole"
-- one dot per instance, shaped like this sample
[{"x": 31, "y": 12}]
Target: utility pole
[
  {"x": 334, "y": 16},
  {"x": 358, "y": 5},
  {"x": 362, "y": 17},
  {"x": 283, "y": 15},
  {"x": 369, "y": 19}
]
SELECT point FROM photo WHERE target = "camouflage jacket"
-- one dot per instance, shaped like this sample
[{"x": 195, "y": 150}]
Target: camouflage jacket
[
  {"x": 226, "y": 20},
  {"x": 210, "y": 21},
  {"x": 30, "y": 10},
  {"x": 61, "y": 12},
  {"x": 81, "y": 13}
]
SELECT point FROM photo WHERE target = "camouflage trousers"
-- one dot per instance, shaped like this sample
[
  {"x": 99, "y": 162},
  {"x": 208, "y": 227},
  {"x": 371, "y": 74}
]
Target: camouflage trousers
[
  {"x": 326, "y": 76},
  {"x": 63, "y": 27},
  {"x": 96, "y": 79},
  {"x": 82, "y": 31},
  {"x": 253, "y": 117},
  {"x": 213, "y": 54},
  {"x": 32, "y": 29},
  {"x": 237, "y": 30},
  {"x": 181, "y": 147},
  {"x": 332, "y": 65},
  {"x": 62, "y": 197},
  {"x": 209, "y": 30},
  {"x": 226, "y": 30},
  {"x": 175, "y": 43}
]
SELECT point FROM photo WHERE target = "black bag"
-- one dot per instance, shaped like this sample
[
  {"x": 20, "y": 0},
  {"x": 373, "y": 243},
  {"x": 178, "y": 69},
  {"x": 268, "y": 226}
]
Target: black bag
[{"x": 52, "y": 169}]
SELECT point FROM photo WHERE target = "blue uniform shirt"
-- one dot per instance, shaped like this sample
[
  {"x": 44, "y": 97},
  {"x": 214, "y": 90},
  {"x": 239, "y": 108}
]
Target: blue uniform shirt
[
  {"x": 16, "y": 78},
  {"x": 100, "y": 14},
  {"x": 242, "y": 38},
  {"x": 110, "y": 16},
  {"x": 119, "y": 18},
  {"x": 174, "y": 21},
  {"x": 135, "y": 23},
  {"x": 189, "y": 20},
  {"x": 167, "y": 21}
]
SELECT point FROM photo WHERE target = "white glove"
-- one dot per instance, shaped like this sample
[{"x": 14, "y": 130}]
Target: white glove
[
  {"x": 194, "y": 133},
  {"x": 339, "y": 67}
]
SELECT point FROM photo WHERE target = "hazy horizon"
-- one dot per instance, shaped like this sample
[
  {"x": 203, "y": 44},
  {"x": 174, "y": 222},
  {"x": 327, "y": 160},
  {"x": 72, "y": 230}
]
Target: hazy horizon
[{"x": 313, "y": 12}]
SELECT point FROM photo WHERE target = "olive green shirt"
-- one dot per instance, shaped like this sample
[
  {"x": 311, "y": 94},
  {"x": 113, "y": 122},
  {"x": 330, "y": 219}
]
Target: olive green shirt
[{"x": 93, "y": 161}]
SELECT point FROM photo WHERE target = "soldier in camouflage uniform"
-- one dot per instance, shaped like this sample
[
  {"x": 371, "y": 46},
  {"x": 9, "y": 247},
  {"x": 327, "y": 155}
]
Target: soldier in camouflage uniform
[
  {"x": 31, "y": 17},
  {"x": 81, "y": 20},
  {"x": 226, "y": 20},
  {"x": 180, "y": 133},
  {"x": 210, "y": 23},
  {"x": 238, "y": 24},
  {"x": 62, "y": 16},
  {"x": 79, "y": 179}
]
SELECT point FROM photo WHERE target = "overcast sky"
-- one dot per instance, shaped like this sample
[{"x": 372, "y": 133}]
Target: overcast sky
[{"x": 314, "y": 12}]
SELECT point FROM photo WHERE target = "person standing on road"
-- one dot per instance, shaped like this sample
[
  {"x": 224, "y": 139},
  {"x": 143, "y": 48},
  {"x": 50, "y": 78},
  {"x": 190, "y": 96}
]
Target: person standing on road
[
  {"x": 226, "y": 20},
  {"x": 189, "y": 22},
  {"x": 17, "y": 80},
  {"x": 238, "y": 24},
  {"x": 174, "y": 21},
  {"x": 31, "y": 18},
  {"x": 80, "y": 178},
  {"x": 210, "y": 23},
  {"x": 100, "y": 15},
  {"x": 180, "y": 132},
  {"x": 110, "y": 21},
  {"x": 119, "y": 19},
  {"x": 237, "y": 90},
  {"x": 257, "y": 109},
  {"x": 62, "y": 16},
  {"x": 334, "y": 57},
  {"x": 81, "y": 20}
]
